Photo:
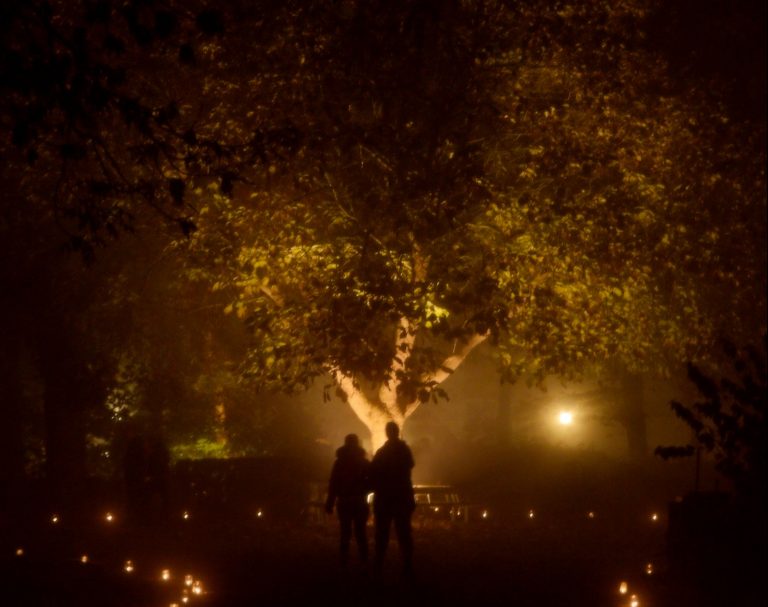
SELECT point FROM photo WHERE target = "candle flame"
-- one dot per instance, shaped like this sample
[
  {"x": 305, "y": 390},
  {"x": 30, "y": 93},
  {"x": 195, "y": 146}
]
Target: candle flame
[{"x": 623, "y": 588}]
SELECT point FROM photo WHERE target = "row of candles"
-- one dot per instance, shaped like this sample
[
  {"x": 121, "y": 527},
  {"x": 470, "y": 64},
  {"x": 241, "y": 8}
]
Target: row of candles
[
  {"x": 485, "y": 514},
  {"x": 192, "y": 587},
  {"x": 110, "y": 517}
]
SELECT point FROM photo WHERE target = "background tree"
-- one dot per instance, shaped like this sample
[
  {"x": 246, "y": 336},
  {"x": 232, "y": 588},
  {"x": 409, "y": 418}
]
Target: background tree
[{"x": 729, "y": 420}]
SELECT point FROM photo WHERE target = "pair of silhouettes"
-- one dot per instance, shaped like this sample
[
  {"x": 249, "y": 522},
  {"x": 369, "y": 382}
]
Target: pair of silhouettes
[{"x": 388, "y": 475}]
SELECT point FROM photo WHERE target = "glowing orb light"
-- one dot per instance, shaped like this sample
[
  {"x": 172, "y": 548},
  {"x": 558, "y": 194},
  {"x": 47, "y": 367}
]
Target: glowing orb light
[
  {"x": 634, "y": 601},
  {"x": 188, "y": 580},
  {"x": 259, "y": 513},
  {"x": 197, "y": 588},
  {"x": 165, "y": 575},
  {"x": 128, "y": 567},
  {"x": 531, "y": 514},
  {"x": 623, "y": 587},
  {"x": 84, "y": 558},
  {"x": 55, "y": 519},
  {"x": 649, "y": 568},
  {"x": 485, "y": 514},
  {"x": 654, "y": 517},
  {"x": 109, "y": 517},
  {"x": 565, "y": 418},
  {"x": 185, "y": 515},
  {"x": 590, "y": 514},
  {"x": 19, "y": 551}
]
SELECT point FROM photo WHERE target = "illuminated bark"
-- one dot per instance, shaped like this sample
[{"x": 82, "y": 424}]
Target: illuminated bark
[{"x": 389, "y": 406}]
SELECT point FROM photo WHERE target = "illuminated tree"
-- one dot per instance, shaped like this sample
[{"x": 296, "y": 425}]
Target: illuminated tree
[
  {"x": 458, "y": 173},
  {"x": 379, "y": 187}
]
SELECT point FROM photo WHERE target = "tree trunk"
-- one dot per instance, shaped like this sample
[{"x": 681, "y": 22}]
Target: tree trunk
[
  {"x": 71, "y": 390},
  {"x": 65, "y": 436}
]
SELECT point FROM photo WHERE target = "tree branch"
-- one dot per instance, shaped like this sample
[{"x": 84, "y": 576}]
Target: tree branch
[{"x": 454, "y": 360}]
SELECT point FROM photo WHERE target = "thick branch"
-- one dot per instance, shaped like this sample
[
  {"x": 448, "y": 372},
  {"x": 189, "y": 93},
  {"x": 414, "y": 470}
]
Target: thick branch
[
  {"x": 454, "y": 360},
  {"x": 368, "y": 413}
]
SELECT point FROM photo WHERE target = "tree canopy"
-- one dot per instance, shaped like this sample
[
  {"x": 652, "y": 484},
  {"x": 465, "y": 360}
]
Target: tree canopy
[{"x": 378, "y": 187}]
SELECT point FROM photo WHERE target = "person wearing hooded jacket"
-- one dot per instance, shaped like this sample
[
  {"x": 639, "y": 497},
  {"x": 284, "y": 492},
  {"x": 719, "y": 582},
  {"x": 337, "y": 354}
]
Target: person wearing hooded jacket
[{"x": 347, "y": 490}]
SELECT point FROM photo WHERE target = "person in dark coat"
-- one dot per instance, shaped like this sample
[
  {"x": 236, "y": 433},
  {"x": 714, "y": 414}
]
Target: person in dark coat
[
  {"x": 347, "y": 489},
  {"x": 393, "y": 500}
]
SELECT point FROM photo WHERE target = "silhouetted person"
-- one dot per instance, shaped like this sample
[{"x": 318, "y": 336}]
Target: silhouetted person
[
  {"x": 347, "y": 489},
  {"x": 393, "y": 496}
]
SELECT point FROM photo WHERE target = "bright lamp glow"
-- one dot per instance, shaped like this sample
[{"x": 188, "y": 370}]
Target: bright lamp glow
[{"x": 565, "y": 418}]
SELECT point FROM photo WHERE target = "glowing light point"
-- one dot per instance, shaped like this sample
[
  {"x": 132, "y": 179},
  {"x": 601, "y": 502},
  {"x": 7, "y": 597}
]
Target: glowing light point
[
  {"x": 531, "y": 514},
  {"x": 590, "y": 514},
  {"x": 485, "y": 514},
  {"x": 649, "y": 569},
  {"x": 565, "y": 418},
  {"x": 654, "y": 517},
  {"x": 185, "y": 515},
  {"x": 19, "y": 551},
  {"x": 623, "y": 587},
  {"x": 128, "y": 567},
  {"x": 109, "y": 517},
  {"x": 259, "y": 513},
  {"x": 84, "y": 558},
  {"x": 55, "y": 519},
  {"x": 165, "y": 575},
  {"x": 197, "y": 588},
  {"x": 634, "y": 601},
  {"x": 188, "y": 580}
]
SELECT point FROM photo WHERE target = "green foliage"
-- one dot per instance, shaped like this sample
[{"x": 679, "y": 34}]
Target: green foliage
[
  {"x": 368, "y": 186},
  {"x": 527, "y": 171},
  {"x": 201, "y": 448}
]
